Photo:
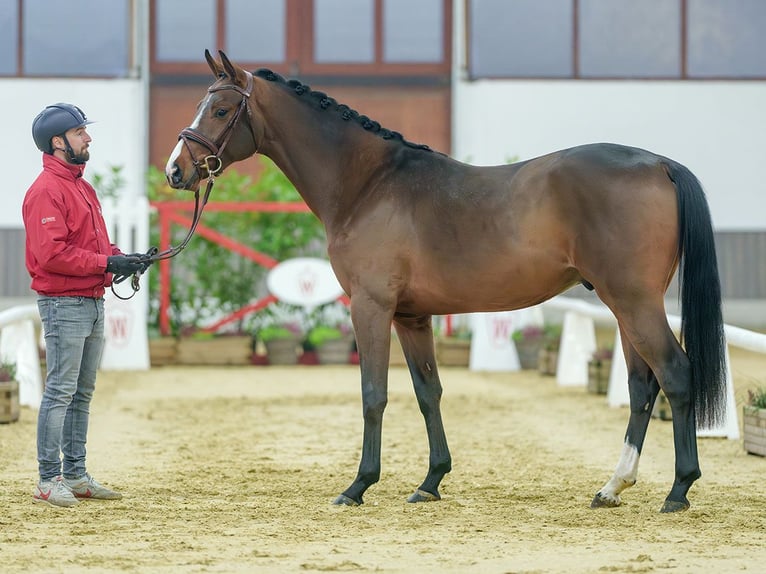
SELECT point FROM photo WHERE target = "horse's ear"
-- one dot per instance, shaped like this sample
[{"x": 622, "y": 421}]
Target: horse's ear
[
  {"x": 215, "y": 67},
  {"x": 228, "y": 66}
]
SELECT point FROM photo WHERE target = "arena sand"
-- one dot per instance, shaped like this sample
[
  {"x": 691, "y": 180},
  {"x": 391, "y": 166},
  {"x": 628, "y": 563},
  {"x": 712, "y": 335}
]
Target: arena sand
[{"x": 234, "y": 470}]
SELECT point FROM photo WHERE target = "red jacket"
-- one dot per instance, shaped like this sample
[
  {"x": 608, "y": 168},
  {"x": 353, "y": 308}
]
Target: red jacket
[{"x": 67, "y": 240}]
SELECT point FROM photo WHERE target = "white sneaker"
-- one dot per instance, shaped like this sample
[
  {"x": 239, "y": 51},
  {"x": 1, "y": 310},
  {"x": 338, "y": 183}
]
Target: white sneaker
[
  {"x": 89, "y": 487},
  {"x": 54, "y": 492}
]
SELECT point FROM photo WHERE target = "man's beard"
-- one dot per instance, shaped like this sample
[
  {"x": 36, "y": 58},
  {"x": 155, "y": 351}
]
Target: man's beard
[{"x": 79, "y": 158}]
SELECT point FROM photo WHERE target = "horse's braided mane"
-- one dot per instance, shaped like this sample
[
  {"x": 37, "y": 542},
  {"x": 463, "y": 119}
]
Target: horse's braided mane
[{"x": 324, "y": 102}]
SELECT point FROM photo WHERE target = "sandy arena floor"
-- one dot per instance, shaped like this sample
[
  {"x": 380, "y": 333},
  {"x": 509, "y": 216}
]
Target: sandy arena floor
[{"x": 233, "y": 470}]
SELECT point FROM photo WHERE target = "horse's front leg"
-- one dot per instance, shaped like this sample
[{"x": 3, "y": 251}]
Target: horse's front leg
[
  {"x": 416, "y": 336},
  {"x": 372, "y": 326}
]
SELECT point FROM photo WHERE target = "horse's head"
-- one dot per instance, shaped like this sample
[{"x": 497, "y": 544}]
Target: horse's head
[{"x": 221, "y": 133}]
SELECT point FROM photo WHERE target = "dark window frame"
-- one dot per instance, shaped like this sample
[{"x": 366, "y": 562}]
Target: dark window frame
[{"x": 299, "y": 57}]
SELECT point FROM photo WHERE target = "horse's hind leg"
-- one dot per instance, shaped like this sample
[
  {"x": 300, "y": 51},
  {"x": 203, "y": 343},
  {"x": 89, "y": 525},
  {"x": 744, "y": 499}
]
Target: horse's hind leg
[
  {"x": 643, "y": 389},
  {"x": 416, "y": 337},
  {"x": 647, "y": 329}
]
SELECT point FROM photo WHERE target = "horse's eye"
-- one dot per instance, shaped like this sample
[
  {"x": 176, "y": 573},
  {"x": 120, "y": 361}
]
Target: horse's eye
[{"x": 220, "y": 113}]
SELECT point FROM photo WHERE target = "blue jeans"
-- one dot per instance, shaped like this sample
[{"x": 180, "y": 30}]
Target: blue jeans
[{"x": 74, "y": 341}]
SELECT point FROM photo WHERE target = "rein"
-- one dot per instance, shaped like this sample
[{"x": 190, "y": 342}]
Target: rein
[{"x": 209, "y": 166}]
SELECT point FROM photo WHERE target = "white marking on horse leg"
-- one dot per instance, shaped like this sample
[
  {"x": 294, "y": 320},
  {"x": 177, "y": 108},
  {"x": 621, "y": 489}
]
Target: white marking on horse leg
[{"x": 624, "y": 475}]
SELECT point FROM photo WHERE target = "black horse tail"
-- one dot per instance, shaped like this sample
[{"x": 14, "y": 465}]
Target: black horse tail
[{"x": 702, "y": 328}]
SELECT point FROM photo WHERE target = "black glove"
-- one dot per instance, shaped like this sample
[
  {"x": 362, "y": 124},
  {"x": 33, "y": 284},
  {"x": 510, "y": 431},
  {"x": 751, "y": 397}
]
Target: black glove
[
  {"x": 124, "y": 265},
  {"x": 145, "y": 258}
]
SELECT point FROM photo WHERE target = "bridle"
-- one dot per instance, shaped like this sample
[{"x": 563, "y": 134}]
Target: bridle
[{"x": 208, "y": 167}]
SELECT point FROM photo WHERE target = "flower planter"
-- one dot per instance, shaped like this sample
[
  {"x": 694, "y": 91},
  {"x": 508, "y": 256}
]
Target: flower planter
[
  {"x": 547, "y": 361},
  {"x": 754, "y": 430},
  {"x": 598, "y": 376},
  {"x": 224, "y": 350},
  {"x": 396, "y": 356},
  {"x": 9, "y": 401},
  {"x": 661, "y": 408},
  {"x": 528, "y": 352},
  {"x": 282, "y": 351},
  {"x": 451, "y": 352},
  {"x": 162, "y": 351},
  {"x": 335, "y": 351}
]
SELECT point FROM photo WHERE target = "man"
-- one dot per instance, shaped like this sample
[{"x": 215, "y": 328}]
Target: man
[{"x": 71, "y": 261}]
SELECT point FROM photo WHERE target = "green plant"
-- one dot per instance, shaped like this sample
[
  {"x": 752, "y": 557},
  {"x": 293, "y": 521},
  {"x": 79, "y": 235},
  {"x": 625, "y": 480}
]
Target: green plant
[
  {"x": 278, "y": 321},
  {"x": 528, "y": 333},
  {"x": 757, "y": 398},
  {"x": 274, "y": 332},
  {"x": 601, "y": 354},
  {"x": 109, "y": 185},
  {"x": 320, "y": 334},
  {"x": 551, "y": 336},
  {"x": 209, "y": 280},
  {"x": 7, "y": 372},
  {"x": 328, "y": 322}
]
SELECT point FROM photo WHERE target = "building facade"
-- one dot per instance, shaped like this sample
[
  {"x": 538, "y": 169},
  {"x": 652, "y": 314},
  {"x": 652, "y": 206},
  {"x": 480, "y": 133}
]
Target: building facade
[{"x": 486, "y": 81}]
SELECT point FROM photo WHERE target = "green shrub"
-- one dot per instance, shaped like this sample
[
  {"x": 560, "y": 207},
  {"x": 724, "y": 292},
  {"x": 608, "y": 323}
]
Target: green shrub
[{"x": 208, "y": 280}]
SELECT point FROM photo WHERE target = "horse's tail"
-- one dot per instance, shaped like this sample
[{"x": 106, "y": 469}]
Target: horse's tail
[{"x": 702, "y": 328}]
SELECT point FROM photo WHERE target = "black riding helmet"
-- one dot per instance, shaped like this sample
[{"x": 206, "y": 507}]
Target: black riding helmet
[{"x": 55, "y": 120}]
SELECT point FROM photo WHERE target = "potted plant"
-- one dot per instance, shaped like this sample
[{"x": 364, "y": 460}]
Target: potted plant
[
  {"x": 454, "y": 350},
  {"x": 281, "y": 341},
  {"x": 9, "y": 393},
  {"x": 754, "y": 417},
  {"x": 528, "y": 341},
  {"x": 661, "y": 408},
  {"x": 599, "y": 368},
  {"x": 548, "y": 356},
  {"x": 278, "y": 331},
  {"x": 331, "y": 335}
]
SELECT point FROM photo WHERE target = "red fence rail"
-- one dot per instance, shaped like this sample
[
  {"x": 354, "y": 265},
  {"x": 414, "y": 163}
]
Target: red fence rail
[{"x": 179, "y": 213}]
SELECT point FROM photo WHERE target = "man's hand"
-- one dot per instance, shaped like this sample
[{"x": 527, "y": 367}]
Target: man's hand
[
  {"x": 145, "y": 258},
  {"x": 124, "y": 265}
]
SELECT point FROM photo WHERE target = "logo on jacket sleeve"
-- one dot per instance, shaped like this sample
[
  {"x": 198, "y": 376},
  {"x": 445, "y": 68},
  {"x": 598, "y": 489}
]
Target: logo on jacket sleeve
[{"x": 45, "y": 220}]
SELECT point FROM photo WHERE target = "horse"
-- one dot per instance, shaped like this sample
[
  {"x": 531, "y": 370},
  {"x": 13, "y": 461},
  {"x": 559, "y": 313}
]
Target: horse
[{"x": 413, "y": 233}]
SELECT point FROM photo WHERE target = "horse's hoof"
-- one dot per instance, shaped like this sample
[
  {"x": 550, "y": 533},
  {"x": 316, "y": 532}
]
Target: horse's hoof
[
  {"x": 675, "y": 506},
  {"x": 423, "y": 496},
  {"x": 344, "y": 500},
  {"x": 601, "y": 501}
]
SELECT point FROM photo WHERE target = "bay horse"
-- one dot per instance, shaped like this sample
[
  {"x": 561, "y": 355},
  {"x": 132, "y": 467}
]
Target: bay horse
[{"x": 412, "y": 233}]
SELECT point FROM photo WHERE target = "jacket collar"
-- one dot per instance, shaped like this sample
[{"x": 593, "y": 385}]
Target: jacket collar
[{"x": 61, "y": 168}]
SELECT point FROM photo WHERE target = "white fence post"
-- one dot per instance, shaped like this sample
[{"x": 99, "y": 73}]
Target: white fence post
[
  {"x": 127, "y": 341},
  {"x": 18, "y": 345},
  {"x": 571, "y": 363},
  {"x": 578, "y": 341}
]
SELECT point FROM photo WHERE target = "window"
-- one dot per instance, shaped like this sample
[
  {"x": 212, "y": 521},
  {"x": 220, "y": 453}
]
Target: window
[
  {"x": 344, "y": 31},
  {"x": 629, "y": 38},
  {"x": 75, "y": 38},
  {"x": 78, "y": 38},
  {"x": 9, "y": 42},
  {"x": 264, "y": 44},
  {"x": 726, "y": 39},
  {"x": 194, "y": 23},
  {"x": 413, "y": 31},
  {"x": 345, "y": 37},
  {"x": 617, "y": 38},
  {"x": 523, "y": 38}
]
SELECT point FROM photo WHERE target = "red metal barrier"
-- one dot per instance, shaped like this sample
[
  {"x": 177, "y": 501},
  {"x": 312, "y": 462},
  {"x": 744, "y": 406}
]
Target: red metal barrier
[{"x": 178, "y": 212}]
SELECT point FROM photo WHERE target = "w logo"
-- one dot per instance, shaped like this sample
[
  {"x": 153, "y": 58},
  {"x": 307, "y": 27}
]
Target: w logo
[
  {"x": 499, "y": 329},
  {"x": 118, "y": 324},
  {"x": 307, "y": 282}
]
